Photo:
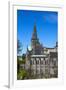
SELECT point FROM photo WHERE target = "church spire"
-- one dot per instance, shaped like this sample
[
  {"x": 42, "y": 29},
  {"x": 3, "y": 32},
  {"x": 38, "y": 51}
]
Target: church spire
[{"x": 34, "y": 35}]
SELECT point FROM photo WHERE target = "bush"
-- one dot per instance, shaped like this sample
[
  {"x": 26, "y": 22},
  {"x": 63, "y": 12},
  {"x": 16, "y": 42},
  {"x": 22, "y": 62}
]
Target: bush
[{"x": 23, "y": 74}]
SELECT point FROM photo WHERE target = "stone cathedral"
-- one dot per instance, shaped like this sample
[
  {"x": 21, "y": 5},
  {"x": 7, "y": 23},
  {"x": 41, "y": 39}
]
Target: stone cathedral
[{"x": 41, "y": 61}]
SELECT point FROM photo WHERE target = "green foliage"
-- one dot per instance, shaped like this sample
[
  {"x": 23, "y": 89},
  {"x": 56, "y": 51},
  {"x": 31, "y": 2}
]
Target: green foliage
[
  {"x": 18, "y": 65},
  {"x": 19, "y": 47},
  {"x": 23, "y": 74},
  {"x": 20, "y": 60},
  {"x": 23, "y": 58}
]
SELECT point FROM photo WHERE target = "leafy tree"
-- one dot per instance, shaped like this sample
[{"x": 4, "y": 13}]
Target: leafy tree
[
  {"x": 19, "y": 49},
  {"x": 24, "y": 59},
  {"x": 18, "y": 64},
  {"x": 23, "y": 74}
]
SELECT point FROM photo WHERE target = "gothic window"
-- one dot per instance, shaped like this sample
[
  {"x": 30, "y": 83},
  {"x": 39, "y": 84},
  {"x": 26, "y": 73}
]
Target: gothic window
[
  {"x": 41, "y": 61},
  {"x": 37, "y": 61},
  {"x": 46, "y": 62}
]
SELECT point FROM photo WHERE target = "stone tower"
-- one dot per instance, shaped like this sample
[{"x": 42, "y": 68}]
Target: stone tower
[{"x": 35, "y": 44}]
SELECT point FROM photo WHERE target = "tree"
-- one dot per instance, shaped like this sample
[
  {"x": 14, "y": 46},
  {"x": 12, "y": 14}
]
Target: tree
[
  {"x": 23, "y": 74},
  {"x": 19, "y": 49},
  {"x": 24, "y": 59}
]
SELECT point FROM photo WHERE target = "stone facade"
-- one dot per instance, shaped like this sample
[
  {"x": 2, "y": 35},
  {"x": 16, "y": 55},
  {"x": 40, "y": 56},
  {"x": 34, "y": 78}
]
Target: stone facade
[{"x": 41, "y": 61}]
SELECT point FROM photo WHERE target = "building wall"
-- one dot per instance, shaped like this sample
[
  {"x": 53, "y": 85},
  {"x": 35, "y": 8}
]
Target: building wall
[{"x": 44, "y": 65}]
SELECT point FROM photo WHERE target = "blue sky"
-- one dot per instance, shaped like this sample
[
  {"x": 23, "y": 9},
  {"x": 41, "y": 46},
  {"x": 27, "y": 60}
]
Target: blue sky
[{"x": 46, "y": 24}]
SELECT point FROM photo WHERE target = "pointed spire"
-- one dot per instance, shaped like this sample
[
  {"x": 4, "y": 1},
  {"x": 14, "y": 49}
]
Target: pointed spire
[
  {"x": 34, "y": 36},
  {"x": 35, "y": 28}
]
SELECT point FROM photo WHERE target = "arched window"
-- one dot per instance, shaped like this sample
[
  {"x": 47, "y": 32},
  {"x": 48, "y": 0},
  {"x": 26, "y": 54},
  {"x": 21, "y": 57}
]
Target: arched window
[
  {"x": 41, "y": 61},
  {"x": 46, "y": 62},
  {"x": 32, "y": 61},
  {"x": 37, "y": 61}
]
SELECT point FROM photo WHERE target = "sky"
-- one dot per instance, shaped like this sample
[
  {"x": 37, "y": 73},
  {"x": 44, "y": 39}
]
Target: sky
[{"x": 46, "y": 25}]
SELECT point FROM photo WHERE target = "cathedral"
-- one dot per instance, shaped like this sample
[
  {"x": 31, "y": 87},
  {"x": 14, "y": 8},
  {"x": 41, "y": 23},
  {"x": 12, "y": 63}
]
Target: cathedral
[{"x": 42, "y": 62}]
